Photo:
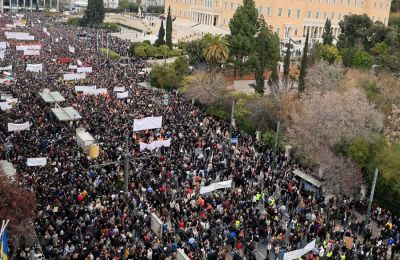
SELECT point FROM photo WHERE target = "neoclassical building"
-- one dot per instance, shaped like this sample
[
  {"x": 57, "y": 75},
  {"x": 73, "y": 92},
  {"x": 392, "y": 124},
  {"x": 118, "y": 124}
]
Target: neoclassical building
[{"x": 289, "y": 18}]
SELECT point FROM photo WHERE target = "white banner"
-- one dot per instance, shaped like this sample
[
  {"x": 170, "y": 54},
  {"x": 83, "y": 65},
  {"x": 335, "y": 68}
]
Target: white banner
[
  {"x": 299, "y": 252},
  {"x": 72, "y": 67},
  {"x": 84, "y": 70},
  {"x": 2, "y": 54},
  {"x": 3, "y": 45},
  {"x": 147, "y": 123},
  {"x": 31, "y": 52},
  {"x": 121, "y": 95},
  {"x": 18, "y": 127},
  {"x": 40, "y": 161},
  {"x": 84, "y": 88},
  {"x": 9, "y": 67},
  {"x": 71, "y": 49},
  {"x": 28, "y": 47},
  {"x": 74, "y": 76},
  {"x": 216, "y": 186},
  {"x": 119, "y": 89},
  {"x": 154, "y": 145},
  {"x": 19, "y": 36},
  {"x": 99, "y": 91},
  {"x": 34, "y": 67}
]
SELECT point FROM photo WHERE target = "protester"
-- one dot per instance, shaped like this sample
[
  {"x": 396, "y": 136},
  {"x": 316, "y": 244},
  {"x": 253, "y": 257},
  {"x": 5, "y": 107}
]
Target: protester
[{"x": 82, "y": 211}]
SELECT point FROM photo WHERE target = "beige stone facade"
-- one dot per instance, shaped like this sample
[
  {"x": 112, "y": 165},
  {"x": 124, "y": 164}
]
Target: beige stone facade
[{"x": 289, "y": 18}]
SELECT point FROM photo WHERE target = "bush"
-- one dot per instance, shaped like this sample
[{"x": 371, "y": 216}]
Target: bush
[
  {"x": 362, "y": 60},
  {"x": 347, "y": 56},
  {"x": 110, "y": 26},
  {"x": 75, "y": 21},
  {"x": 146, "y": 50},
  {"x": 329, "y": 53},
  {"x": 155, "y": 9},
  {"x": 111, "y": 54}
]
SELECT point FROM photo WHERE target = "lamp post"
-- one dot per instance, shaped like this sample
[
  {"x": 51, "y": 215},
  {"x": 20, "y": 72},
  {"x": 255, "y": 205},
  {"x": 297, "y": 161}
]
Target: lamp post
[{"x": 371, "y": 197}]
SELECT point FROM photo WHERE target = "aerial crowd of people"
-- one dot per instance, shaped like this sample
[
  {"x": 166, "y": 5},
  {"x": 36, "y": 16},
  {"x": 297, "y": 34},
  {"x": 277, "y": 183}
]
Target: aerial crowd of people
[{"x": 82, "y": 211}]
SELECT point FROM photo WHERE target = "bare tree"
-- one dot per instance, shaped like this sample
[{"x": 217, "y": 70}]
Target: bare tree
[
  {"x": 18, "y": 205},
  {"x": 323, "y": 76},
  {"x": 326, "y": 120},
  {"x": 206, "y": 88}
]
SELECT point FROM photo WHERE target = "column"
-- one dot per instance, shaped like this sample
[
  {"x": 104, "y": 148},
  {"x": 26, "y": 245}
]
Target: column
[
  {"x": 2, "y": 6},
  {"x": 31, "y": 5},
  {"x": 44, "y": 4},
  {"x": 17, "y": 5},
  {"x": 24, "y": 4},
  {"x": 58, "y": 5},
  {"x": 51, "y": 4}
]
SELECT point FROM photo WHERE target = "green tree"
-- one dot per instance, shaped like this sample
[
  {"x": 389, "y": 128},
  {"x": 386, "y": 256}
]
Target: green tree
[
  {"x": 161, "y": 34},
  {"x": 194, "y": 49},
  {"x": 123, "y": 5},
  {"x": 286, "y": 63},
  {"x": 327, "y": 36},
  {"x": 354, "y": 30},
  {"x": 267, "y": 54},
  {"x": 168, "y": 35},
  {"x": 243, "y": 26},
  {"x": 274, "y": 78},
  {"x": 94, "y": 13},
  {"x": 362, "y": 60},
  {"x": 303, "y": 69},
  {"x": 328, "y": 53},
  {"x": 216, "y": 50}
]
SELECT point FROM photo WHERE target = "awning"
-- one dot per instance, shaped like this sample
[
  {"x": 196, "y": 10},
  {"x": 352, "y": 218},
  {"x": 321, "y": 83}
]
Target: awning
[
  {"x": 66, "y": 113},
  {"x": 7, "y": 168},
  {"x": 307, "y": 178},
  {"x": 52, "y": 97}
]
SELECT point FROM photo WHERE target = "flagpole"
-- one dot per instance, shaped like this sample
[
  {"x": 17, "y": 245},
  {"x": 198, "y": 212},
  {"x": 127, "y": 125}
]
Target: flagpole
[{"x": 3, "y": 227}]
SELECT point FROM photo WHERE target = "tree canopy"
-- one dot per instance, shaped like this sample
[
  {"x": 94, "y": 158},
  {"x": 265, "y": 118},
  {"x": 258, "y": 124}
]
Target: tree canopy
[{"x": 94, "y": 13}]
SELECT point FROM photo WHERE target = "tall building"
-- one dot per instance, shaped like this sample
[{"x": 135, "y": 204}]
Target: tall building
[{"x": 289, "y": 18}]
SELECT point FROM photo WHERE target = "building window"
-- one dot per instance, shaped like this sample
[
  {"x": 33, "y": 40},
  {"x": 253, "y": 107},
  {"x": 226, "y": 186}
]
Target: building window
[
  {"x": 348, "y": 2},
  {"x": 340, "y": 16},
  {"x": 225, "y": 5},
  {"x": 324, "y": 15},
  {"x": 355, "y": 3},
  {"x": 381, "y": 4},
  {"x": 362, "y": 3},
  {"x": 375, "y": 5},
  {"x": 277, "y": 30},
  {"x": 298, "y": 13},
  {"x": 327, "y": 1},
  {"x": 231, "y": 6},
  {"x": 268, "y": 11},
  {"x": 309, "y": 14},
  {"x": 332, "y": 16},
  {"x": 295, "y": 32},
  {"x": 334, "y": 2},
  {"x": 238, "y": 5},
  {"x": 259, "y": 11},
  {"x": 289, "y": 12},
  {"x": 385, "y": 20},
  {"x": 279, "y": 11},
  {"x": 341, "y": 2},
  {"x": 317, "y": 15}
]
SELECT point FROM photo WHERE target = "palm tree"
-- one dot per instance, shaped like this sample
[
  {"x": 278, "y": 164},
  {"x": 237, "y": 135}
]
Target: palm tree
[{"x": 216, "y": 48}]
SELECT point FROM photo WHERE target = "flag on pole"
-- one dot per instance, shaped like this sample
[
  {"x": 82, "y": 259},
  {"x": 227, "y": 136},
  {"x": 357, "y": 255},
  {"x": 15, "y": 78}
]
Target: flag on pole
[{"x": 4, "y": 249}]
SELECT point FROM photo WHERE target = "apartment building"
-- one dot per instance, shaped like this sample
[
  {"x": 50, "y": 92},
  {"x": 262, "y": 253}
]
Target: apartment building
[{"x": 289, "y": 18}]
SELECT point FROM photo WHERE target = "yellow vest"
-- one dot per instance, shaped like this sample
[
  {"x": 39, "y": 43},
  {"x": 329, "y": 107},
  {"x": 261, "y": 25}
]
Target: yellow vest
[
  {"x": 342, "y": 257},
  {"x": 237, "y": 223},
  {"x": 329, "y": 254}
]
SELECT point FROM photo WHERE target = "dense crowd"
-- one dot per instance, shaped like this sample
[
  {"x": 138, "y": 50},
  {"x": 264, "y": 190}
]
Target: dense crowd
[{"x": 267, "y": 205}]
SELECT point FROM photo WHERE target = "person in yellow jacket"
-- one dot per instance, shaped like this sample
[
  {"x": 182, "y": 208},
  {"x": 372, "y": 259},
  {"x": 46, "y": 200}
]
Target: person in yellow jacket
[
  {"x": 329, "y": 254},
  {"x": 342, "y": 256}
]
